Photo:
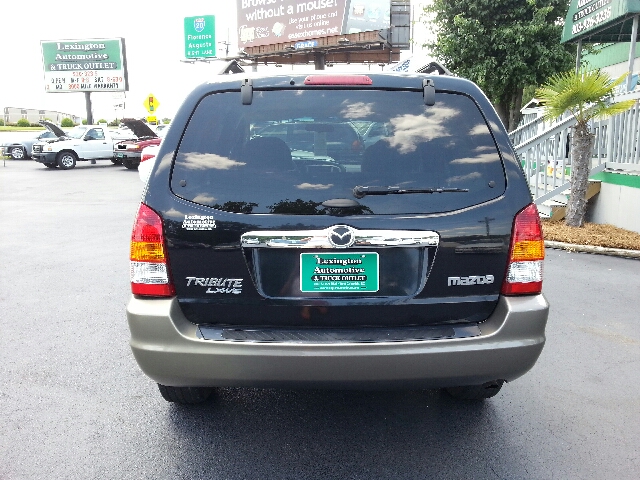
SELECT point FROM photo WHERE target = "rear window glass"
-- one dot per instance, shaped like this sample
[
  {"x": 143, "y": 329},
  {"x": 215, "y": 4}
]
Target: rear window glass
[{"x": 291, "y": 151}]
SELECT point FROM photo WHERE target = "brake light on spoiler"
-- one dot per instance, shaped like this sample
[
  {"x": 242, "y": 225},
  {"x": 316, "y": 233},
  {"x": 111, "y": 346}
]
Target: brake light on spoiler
[
  {"x": 148, "y": 266},
  {"x": 338, "y": 80},
  {"x": 526, "y": 254}
]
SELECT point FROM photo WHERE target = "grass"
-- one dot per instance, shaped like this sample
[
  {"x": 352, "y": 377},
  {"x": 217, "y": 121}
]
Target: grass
[
  {"x": 7, "y": 128},
  {"x": 592, "y": 234}
]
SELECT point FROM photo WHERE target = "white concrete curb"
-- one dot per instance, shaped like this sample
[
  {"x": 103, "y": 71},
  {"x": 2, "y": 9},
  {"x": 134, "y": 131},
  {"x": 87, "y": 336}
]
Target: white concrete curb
[{"x": 618, "y": 252}]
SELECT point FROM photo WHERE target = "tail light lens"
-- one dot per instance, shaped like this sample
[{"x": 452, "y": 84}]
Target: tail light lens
[
  {"x": 526, "y": 254},
  {"x": 148, "y": 266},
  {"x": 146, "y": 156}
]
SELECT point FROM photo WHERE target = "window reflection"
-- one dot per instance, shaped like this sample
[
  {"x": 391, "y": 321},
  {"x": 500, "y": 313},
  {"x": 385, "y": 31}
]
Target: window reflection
[{"x": 291, "y": 151}]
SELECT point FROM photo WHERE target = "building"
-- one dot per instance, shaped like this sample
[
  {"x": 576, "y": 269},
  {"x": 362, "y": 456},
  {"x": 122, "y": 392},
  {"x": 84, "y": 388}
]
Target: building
[{"x": 13, "y": 114}]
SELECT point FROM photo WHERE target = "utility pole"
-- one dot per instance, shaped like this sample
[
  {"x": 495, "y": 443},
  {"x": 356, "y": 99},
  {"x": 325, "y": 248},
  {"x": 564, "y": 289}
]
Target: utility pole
[
  {"x": 226, "y": 43},
  {"x": 486, "y": 221}
]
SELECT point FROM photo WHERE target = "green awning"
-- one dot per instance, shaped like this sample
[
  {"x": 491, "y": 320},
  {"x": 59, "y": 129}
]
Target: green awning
[{"x": 600, "y": 21}]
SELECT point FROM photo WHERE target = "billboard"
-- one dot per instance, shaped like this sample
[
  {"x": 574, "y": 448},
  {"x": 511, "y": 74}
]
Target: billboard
[
  {"x": 90, "y": 65},
  {"x": 266, "y": 22}
]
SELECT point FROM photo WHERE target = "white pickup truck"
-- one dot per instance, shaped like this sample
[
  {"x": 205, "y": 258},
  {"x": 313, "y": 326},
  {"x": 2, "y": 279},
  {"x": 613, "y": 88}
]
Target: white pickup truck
[{"x": 83, "y": 142}]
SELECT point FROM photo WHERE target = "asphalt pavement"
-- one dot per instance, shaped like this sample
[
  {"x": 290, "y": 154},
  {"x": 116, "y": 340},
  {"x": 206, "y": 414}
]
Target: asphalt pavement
[{"x": 74, "y": 404}]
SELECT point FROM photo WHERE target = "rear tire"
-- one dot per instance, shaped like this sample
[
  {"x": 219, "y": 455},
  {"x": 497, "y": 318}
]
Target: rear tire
[
  {"x": 66, "y": 160},
  {"x": 130, "y": 164},
  {"x": 18, "y": 153},
  {"x": 185, "y": 395},
  {"x": 116, "y": 161},
  {"x": 476, "y": 392}
]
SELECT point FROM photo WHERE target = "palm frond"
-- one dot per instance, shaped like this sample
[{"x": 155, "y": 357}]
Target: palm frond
[
  {"x": 584, "y": 94},
  {"x": 614, "y": 109}
]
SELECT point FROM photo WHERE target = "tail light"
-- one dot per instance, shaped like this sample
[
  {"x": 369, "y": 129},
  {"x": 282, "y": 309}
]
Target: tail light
[
  {"x": 146, "y": 156},
  {"x": 149, "y": 274},
  {"x": 526, "y": 254}
]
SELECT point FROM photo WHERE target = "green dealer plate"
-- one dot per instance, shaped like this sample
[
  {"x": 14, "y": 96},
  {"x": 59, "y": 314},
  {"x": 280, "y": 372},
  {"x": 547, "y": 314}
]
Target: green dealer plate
[{"x": 339, "y": 272}]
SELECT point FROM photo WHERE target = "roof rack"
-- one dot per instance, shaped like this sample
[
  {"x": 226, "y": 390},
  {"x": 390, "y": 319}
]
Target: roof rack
[{"x": 435, "y": 67}]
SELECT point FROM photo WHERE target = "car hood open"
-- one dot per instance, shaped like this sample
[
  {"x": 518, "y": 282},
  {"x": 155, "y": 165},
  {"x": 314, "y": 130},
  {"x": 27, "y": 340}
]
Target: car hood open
[
  {"x": 52, "y": 127},
  {"x": 139, "y": 128}
]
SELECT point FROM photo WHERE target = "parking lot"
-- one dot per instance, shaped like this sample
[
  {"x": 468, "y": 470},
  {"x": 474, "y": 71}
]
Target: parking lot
[{"x": 75, "y": 405}]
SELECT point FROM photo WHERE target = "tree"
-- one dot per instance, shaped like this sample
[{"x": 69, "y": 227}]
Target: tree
[
  {"x": 66, "y": 122},
  {"x": 587, "y": 95},
  {"x": 502, "y": 45}
]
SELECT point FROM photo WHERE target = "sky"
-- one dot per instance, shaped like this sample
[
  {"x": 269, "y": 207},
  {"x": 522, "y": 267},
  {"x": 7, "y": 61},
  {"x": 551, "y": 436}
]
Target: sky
[{"x": 154, "y": 37}]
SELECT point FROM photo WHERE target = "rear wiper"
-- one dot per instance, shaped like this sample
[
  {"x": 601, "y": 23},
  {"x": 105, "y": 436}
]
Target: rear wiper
[{"x": 360, "y": 192}]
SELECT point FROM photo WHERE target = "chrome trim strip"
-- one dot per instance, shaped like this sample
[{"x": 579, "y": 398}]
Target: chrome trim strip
[{"x": 321, "y": 238}]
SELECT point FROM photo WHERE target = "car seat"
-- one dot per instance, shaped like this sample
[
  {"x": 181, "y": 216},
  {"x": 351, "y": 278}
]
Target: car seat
[{"x": 268, "y": 154}]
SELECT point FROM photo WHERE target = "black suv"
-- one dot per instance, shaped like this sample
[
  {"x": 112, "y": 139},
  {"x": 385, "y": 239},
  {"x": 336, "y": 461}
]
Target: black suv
[{"x": 415, "y": 262}]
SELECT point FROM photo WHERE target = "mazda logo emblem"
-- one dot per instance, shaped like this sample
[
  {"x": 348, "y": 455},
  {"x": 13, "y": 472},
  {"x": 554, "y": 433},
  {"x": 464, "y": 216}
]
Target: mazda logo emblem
[{"x": 341, "y": 236}]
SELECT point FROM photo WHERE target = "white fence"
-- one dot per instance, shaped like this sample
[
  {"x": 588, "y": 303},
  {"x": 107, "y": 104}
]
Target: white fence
[{"x": 543, "y": 148}]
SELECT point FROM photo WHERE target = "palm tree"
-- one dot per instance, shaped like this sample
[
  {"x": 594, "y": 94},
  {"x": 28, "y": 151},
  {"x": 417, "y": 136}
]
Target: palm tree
[{"x": 587, "y": 96}]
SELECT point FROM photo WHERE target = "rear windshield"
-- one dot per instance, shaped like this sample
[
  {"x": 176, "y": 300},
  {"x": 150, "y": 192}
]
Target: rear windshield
[{"x": 294, "y": 151}]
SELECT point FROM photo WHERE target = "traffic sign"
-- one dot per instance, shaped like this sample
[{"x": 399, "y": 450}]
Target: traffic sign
[
  {"x": 151, "y": 103},
  {"x": 152, "y": 119},
  {"x": 200, "y": 36}
]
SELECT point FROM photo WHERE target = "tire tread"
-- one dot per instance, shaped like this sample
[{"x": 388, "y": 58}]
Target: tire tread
[
  {"x": 185, "y": 395},
  {"x": 476, "y": 392}
]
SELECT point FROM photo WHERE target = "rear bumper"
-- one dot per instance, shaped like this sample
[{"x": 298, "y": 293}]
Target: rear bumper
[
  {"x": 126, "y": 154},
  {"x": 168, "y": 350}
]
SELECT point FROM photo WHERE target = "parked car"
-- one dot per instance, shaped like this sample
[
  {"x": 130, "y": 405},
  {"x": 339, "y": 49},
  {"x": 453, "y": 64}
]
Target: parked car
[
  {"x": 418, "y": 264},
  {"x": 19, "y": 149},
  {"x": 129, "y": 151},
  {"x": 147, "y": 160},
  {"x": 161, "y": 127},
  {"x": 82, "y": 143}
]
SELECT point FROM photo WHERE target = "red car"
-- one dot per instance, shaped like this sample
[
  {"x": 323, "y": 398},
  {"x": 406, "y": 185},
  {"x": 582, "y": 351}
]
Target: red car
[{"x": 129, "y": 151}]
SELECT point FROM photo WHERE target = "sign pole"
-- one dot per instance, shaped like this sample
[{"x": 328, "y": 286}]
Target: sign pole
[
  {"x": 87, "y": 102},
  {"x": 632, "y": 51},
  {"x": 319, "y": 60},
  {"x": 578, "y": 56}
]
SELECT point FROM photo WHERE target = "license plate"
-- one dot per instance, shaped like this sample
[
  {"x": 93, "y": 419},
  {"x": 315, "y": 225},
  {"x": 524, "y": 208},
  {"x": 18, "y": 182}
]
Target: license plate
[
  {"x": 339, "y": 272},
  {"x": 119, "y": 155}
]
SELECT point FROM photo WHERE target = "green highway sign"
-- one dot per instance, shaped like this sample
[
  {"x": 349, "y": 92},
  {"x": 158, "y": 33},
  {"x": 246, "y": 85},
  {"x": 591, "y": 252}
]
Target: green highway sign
[{"x": 200, "y": 36}]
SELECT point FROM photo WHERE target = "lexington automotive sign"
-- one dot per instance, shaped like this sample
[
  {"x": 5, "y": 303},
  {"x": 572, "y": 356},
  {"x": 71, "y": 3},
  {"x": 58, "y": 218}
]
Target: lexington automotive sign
[{"x": 90, "y": 65}]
